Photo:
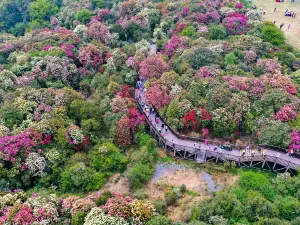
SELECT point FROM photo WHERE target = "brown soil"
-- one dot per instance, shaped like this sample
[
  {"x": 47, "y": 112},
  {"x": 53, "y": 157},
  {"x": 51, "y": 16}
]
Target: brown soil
[
  {"x": 117, "y": 183},
  {"x": 192, "y": 179}
]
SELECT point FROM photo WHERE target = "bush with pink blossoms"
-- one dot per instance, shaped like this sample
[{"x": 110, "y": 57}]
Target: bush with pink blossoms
[
  {"x": 286, "y": 113},
  {"x": 90, "y": 56},
  {"x": 11, "y": 146},
  {"x": 157, "y": 96},
  {"x": 24, "y": 216},
  {"x": 176, "y": 43},
  {"x": 295, "y": 142},
  {"x": 153, "y": 66},
  {"x": 280, "y": 81},
  {"x": 118, "y": 206},
  {"x": 270, "y": 66},
  {"x": 98, "y": 31},
  {"x": 236, "y": 24},
  {"x": 238, "y": 83},
  {"x": 250, "y": 57},
  {"x": 238, "y": 6},
  {"x": 206, "y": 72}
]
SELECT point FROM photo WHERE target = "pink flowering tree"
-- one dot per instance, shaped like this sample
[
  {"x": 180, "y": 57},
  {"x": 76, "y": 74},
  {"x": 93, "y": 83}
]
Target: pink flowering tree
[
  {"x": 135, "y": 118},
  {"x": 286, "y": 113},
  {"x": 270, "y": 66},
  {"x": 98, "y": 31},
  {"x": 21, "y": 144},
  {"x": 157, "y": 96},
  {"x": 206, "y": 72},
  {"x": 295, "y": 142},
  {"x": 176, "y": 42},
  {"x": 236, "y": 23},
  {"x": 237, "y": 83},
  {"x": 250, "y": 56},
  {"x": 153, "y": 66},
  {"x": 258, "y": 88},
  {"x": 90, "y": 57},
  {"x": 280, "y": 81}
]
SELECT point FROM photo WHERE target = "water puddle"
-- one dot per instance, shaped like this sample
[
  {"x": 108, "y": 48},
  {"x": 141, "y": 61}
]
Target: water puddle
[
  {"x": 165, "y": 169},
  {"x": 210, "y": 183}
]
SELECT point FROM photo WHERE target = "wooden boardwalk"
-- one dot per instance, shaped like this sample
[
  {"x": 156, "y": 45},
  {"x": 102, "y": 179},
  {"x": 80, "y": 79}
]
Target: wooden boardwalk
[{"x": 184, "y": 148}]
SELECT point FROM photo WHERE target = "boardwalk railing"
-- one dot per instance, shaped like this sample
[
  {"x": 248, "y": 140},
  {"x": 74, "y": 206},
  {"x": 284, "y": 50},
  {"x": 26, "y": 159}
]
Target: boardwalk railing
[{"x": 186, "y": 152}]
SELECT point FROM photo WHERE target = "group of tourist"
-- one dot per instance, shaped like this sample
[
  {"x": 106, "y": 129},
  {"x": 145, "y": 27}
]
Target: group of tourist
[{"x": 289, "y": 13}]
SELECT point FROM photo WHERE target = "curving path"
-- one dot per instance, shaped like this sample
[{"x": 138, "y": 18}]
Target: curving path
[{"x": 195, "y": 150}]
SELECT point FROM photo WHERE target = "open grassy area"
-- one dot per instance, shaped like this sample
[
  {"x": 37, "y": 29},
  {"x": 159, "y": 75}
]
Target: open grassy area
[{"x": 292, "y": 34}]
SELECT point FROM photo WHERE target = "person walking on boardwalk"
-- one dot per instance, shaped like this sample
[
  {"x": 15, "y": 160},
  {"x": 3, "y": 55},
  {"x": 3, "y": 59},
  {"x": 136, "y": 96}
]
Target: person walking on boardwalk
[
  {"x": 247, "y": 149},
  {"x": 264, "y": 152},
  {"x": 281, "y": 25},
  {"x": 220, "y": 149},
  {"x": 258, "y": 149},
  {"x": 173, "y": 144},
  {"x": 166, "y": 129},
  {"x": 243, "y": 152}
]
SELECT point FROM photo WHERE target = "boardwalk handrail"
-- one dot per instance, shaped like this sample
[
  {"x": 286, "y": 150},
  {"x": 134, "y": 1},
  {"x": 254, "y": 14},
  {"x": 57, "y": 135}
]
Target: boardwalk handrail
[{"x": 220, "y": 155}]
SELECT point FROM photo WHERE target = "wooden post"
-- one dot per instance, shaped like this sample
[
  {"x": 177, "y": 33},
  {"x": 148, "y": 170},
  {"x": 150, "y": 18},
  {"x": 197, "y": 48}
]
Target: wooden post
[
  {"x": 184, "y": 154},
  {"x": 274, "y": 164},
  {"x": 264, "y": 163}
]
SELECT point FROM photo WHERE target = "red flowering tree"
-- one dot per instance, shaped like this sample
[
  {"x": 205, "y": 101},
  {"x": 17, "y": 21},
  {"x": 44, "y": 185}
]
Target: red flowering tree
[
  {"x": 123, "y": 134},
  {"x": 135, "y": 118},
  {"x": 157, "y": 96},
  {"x": 236, "y": 23},
  {"x": 153, "y": 66},
  {"x": 191, "y": 120}
]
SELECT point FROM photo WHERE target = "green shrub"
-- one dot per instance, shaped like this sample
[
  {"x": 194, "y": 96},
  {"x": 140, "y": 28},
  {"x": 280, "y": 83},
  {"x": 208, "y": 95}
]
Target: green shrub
[
  {"x": 171, "y": 197},
  {"x": 103, "y": 198},
  {"x": 160, "y": 206},
  {"x": 160, "y": 220},
  {"x": 217, "y": 32},
  {"x": 230, "y": 59},
  {"x": 253, "y": 181},
  {"x": 84, "y": 15},
  {"x": 272, "y": 34},
  {"x": 189, "y": 31},
  {"x": 202, "y": 57},
  {"x": 78, "y": 218},
  {"x": 139, "y": 175}
]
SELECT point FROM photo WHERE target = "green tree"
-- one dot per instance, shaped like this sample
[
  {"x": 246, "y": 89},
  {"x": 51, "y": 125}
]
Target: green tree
[
  {"x": 274, "y": 133},
  {"x": 84, "y": 15},
  {"x": 272, "y": 34},
  {"x": 42, "y": 10},
  {"x": 139, "y": 175},
  {"x": 217, "y": 32}
]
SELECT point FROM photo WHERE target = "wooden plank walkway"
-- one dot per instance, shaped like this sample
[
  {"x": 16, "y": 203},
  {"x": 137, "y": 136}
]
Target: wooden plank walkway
[{"x": 195, "y": 150}]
